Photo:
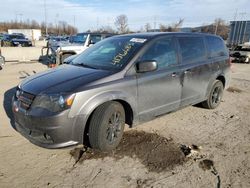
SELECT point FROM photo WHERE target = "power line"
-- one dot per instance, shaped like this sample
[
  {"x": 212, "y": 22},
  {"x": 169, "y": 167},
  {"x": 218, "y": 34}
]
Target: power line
[{"x": 45, "y": 17}]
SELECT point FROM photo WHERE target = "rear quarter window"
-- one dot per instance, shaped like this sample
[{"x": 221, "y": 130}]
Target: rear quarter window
[
  {"x": 216, "y": 47},
  {"x": 192, "y": 49}
]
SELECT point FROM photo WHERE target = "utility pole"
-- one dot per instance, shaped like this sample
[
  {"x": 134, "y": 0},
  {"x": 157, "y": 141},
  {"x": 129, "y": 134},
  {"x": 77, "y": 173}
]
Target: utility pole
[
  {"x": 45, "y": 18},
  {"x": 74, "y": 17},
  {"x": 154, "y": 23},
  {"x": 97, "y": 24},
  {"x": 20, "y": 18}
]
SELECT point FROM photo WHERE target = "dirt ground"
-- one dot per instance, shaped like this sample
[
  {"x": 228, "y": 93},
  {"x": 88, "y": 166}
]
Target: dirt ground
[{"x": 192, "y": 147}]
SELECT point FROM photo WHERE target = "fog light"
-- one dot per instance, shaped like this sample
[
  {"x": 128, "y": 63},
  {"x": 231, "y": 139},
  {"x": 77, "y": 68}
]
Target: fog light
[{"x": 15, "y": 108}]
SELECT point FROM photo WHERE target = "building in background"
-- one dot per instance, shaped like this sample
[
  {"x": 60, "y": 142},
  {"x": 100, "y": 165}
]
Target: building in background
[
  {"x": 239, "y": 32},
  {"x": 32, "y": 34}
]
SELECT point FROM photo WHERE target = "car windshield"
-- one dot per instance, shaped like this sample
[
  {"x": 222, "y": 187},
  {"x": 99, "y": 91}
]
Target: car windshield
[
  {"x": 110, "y": 54},
  {"x": 80, "y": 38},
  {"x": 16, "y": 37}
]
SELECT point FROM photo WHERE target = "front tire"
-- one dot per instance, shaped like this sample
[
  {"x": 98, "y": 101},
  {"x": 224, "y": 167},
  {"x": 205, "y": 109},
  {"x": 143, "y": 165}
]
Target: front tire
[
  {"x": 107, "y": 126},
  {"x": 215, "y": 95}
]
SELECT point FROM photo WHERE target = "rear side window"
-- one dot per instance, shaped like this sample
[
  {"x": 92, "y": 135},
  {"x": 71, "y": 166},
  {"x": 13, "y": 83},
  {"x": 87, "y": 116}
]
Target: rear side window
[
  {"x": 163, "y": 51},
  {"x": 216, "y": 47},
  {"x": 192, "y": 49}
]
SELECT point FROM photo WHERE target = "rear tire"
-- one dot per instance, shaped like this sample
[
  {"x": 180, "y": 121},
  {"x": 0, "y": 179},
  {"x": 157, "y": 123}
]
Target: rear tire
[
  {"x": 106, "y": 126},
  {"x": 215, "y": 95}
]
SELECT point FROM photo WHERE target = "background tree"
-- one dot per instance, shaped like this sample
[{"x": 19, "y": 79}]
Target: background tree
[
  {"x": 174, "y": 27},
  {"x": 147, "y": 27},
  {"x": 63, "y": 27},
  {"x": 121, "y": 22},
  {"x": 218, "y": 27},
  {"x": 104, "y": 29}
]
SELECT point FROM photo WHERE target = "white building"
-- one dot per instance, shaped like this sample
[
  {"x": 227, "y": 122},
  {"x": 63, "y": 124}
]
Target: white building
[{"x": 32, "y": 34}]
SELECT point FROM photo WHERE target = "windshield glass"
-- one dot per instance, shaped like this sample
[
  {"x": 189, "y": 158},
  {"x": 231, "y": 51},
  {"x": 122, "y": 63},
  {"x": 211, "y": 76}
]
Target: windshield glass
[
  {"x": 110, "y": 54},
  {"x": 80, "y": 38}
]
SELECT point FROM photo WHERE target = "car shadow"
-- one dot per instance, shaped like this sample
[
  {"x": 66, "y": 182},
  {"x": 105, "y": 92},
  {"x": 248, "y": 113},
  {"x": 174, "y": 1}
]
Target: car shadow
[{"x": 7, "y": 105}]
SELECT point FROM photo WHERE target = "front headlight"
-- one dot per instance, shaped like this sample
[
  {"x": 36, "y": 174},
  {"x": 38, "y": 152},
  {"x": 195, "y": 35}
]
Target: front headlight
[{"x": 53, "y": 102}]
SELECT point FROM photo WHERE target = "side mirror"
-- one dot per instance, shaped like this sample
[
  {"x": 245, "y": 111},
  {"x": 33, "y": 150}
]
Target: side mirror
[
  {"x": 91, "y": 42},
  {"x": 146, "y": 66}
]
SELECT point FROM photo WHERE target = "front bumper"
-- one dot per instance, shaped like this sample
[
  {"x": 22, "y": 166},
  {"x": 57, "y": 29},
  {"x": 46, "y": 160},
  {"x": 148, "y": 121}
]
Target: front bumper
[{"x": 49, "y": 132}]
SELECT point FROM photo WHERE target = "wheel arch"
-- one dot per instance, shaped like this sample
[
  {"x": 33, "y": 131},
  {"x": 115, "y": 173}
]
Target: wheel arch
[
  {"x": 219, "y": 76},
  {"x": 87, "y": 110},
  {"x": 222, "y": 79},
  {"x": 68, "y": 52}
]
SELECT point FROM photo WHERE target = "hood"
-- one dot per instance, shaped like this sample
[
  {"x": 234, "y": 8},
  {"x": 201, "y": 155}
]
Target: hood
[{"x": 65, "y": 78}]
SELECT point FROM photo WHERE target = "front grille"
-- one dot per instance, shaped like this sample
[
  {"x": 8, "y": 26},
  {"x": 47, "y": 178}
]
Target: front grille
[{"x": 25, "y": 99}]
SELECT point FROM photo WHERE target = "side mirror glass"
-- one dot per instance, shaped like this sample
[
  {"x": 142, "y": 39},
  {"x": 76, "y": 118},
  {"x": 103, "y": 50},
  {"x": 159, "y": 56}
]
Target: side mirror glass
[{"x": 146, "y": 66}]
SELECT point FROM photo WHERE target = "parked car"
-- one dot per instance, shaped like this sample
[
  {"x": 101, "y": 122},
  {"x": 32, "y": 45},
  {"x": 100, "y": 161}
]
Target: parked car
[
  {"x": 2, "y": 61},
  {"x": 126, "y": 79},
  {"x": 1, "y": 39},
  {"x": 57, "y": 41},
  {"x": 16, "y": 40},
  {"x": 78, "y": 44},
  {"x": 241, "y": 54}
]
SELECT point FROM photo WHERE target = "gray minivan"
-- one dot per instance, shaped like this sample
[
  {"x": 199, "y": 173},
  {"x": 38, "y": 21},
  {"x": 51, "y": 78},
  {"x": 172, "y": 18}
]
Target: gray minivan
[{"x": 127, "y": 79}]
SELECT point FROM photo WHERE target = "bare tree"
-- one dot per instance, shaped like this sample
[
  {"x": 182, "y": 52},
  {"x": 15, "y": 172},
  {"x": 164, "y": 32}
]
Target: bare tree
[
  {"x": 173, "y": 27},
  {"x": 64, "y": 28},
  {"x": 121, "y": 22},
  {"x": 219, "y": 27},
  {"x": 104, "y": 29},
  {"x": 147, "y": 27},
  {"x": 177, "y": 25}
]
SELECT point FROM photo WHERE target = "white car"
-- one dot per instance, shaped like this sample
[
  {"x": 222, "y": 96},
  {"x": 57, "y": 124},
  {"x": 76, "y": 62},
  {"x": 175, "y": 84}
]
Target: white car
[
  {"x": 241, "y": 54},
  {"x": 77, "y": 44}
]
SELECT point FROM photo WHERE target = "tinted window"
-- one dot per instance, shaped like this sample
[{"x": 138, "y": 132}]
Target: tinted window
[
  {"x": 216, "y": 47},
  {"x": 192, "y": 49},
  {"x": 80, "y": 38},
  {"x": 95, "y": 38},
  {"x": 163, "y": 51}
]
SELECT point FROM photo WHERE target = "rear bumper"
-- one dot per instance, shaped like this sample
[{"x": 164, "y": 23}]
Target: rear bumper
[{"x": 49, "y": 132}]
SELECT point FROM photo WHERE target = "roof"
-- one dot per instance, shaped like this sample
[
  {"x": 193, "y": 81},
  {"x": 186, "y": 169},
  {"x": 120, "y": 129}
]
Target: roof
[{"x": 150, "y": 35}]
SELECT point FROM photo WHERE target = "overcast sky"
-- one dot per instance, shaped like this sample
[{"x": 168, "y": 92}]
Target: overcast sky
[{"x": 90, "y": 14}]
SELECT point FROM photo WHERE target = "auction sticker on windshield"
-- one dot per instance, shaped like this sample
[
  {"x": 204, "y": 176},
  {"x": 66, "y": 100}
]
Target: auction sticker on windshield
[{"x": 139, "y": 40}]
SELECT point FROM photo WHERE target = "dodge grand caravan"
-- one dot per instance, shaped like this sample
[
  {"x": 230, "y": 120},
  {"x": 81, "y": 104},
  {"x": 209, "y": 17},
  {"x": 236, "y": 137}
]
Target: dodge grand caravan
[{"x": 126, "y": 79}]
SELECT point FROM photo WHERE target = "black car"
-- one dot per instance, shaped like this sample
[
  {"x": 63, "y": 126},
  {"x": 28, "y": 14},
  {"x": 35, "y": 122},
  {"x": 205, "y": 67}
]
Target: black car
[{"x": 15, "y": 40}]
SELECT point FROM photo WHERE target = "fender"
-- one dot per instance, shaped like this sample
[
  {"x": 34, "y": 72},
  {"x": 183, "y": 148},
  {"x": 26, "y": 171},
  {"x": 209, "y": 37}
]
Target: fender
[{"x": 92, "y": 103}]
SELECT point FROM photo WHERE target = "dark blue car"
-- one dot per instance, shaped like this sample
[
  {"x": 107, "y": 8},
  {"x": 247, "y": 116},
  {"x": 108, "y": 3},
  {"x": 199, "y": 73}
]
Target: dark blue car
[{"x": 15, "y": 40}]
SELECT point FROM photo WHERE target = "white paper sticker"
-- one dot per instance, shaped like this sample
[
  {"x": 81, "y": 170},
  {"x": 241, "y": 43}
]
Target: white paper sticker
[{"x": 139, "y": 40}]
